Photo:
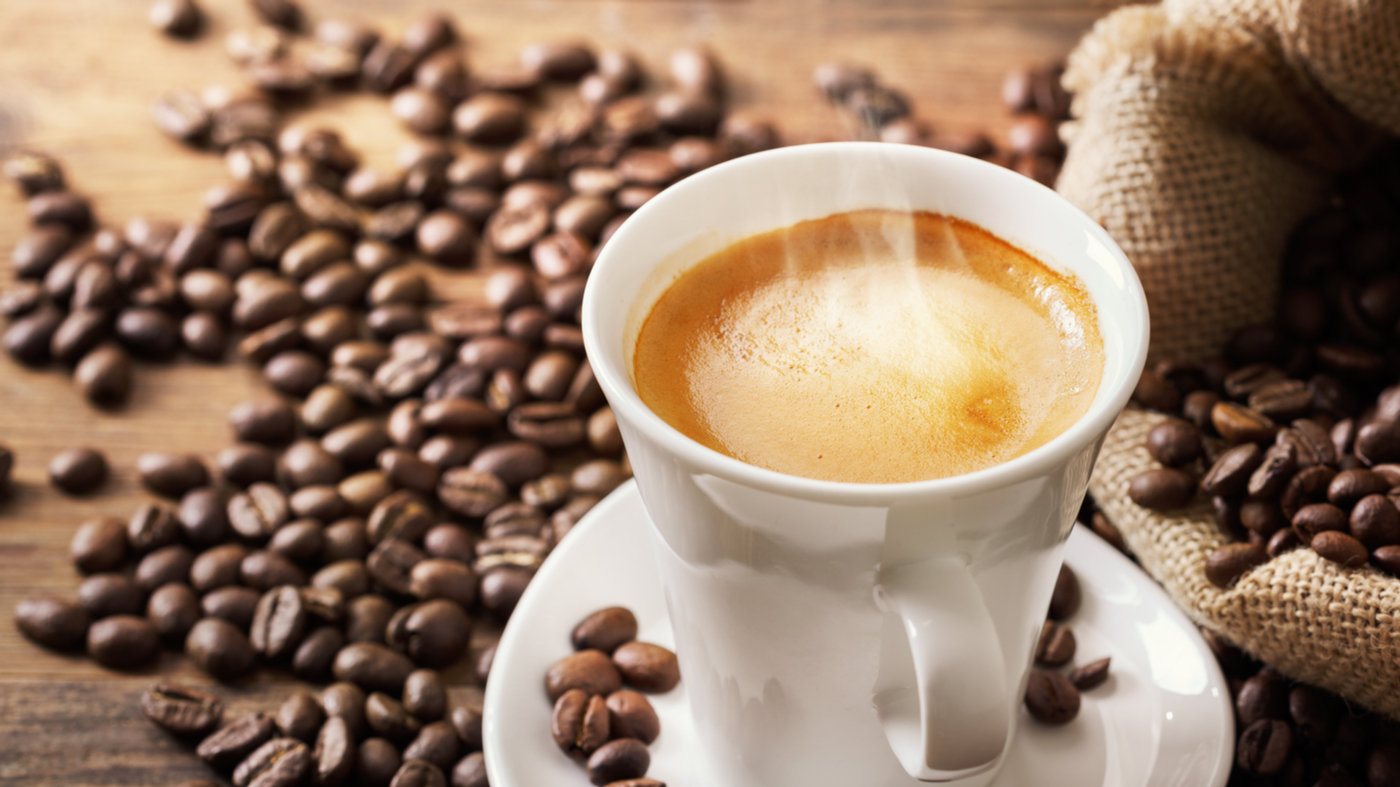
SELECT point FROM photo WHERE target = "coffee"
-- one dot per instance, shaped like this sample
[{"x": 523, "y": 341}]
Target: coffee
[{"x": 875, "y": 346}]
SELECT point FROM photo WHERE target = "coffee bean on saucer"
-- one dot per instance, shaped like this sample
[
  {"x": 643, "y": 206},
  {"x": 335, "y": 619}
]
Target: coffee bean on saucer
[
  {"x": 590, "y": 670},
  {"x": 580, "y": 723},
  {"x": 1051, "y": 698},
  {"x": 1089, "y": 676},
  {"x": 605, "y": 629},
  {"x": 625, "y": 758},
  {"x": 1056, "y": 645},
  {"x": 1064, "y": 602},
  {"x": 78, "y": 470},
  {"x": 232, "y": 743},
  {"x": 630, "y": 715},
  {"x": 647, "y": 667},
  {"x": 54, "y": 624},
  {"x": 182, "y": 710}
]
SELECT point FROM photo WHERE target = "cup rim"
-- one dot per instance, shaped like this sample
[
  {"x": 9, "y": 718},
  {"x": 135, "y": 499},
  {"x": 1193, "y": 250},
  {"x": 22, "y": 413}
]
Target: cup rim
[{"x": 1089, "y": 428}]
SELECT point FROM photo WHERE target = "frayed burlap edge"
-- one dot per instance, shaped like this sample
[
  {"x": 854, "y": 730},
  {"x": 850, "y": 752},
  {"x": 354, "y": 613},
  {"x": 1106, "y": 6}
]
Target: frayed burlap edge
[{"x": 1313, "y": 620}]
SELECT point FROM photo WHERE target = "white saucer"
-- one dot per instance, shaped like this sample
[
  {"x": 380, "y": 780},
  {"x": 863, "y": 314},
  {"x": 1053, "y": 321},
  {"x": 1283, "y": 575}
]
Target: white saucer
[{"x": 1163, "y": 718}]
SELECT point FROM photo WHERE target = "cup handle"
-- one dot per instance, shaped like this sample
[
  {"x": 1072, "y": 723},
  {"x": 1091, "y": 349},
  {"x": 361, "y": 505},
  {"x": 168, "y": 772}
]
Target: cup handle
[{"x": 952, "y": 722}]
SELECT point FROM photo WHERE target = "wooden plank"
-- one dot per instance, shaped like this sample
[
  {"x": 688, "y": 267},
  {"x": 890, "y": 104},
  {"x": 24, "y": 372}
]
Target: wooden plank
[{"x": 76, "y": 80}]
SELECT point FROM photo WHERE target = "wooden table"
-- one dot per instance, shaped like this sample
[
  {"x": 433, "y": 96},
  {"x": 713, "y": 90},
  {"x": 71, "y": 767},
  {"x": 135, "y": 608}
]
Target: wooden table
[{"x": 76, "y": 80}]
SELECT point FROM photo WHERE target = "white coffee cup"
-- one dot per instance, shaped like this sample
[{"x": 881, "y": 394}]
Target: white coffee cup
[{"x": 854, "y": 635}]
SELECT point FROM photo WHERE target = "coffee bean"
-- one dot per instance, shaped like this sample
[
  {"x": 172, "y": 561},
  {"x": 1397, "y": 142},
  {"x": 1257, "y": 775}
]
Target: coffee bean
[
  {"x": 604, "y": 630},
  {"x": 630, "y": 715},
  {"x": 232, "y": 743},
  {"x": 27, "y": 339},
  {"x": 1264, "y": 747},
  {"x": 387, "y": 718},
  {"x": 234, "y": 603},
  {"x": 37, "y": 250},
  {"x": 1240, "y": 424},
  {"x": 300, "y": 717},
  {"x": 334, "y": 752},
  {"x": 355, "y": 444},
  {"x": 598, "y": 477},
  {"x": 60, "y": 207},
  {"x": 1229, "y": 475},
  {"x": 34, "y": 172},
  {"x": 54, "y": 624},
  {"x": 435, "y": 633},
  {"x": 490, "y": 118},
  {"x": 78, "y": 470},
  {"x": 220, "y": 649},
  {"x": 258, "y": 512},
  {"x": 79, "y": 332},
  {"x": 313, "y": 657},
  {"x": 1339, "y": 547},
  {"x": 1262, "y": 696},
  {"x": 306, "y": 463},
  {"x": 580, "y": 723},
  {"x": 418, "y": 773},
  {"x": 346, "y": 701},
  {"x": 1064, "y": 601},
  {"x": 263, "y": 570},
  {"x": 164, "y": 565},
  {"x": 281, "y": 762},
  {"x": 99, "y": 545},
  {"x": 501, "y": 588},
  {"x": 266, "y": 421},
  {"x": 1051, "y": 698},
  {"x": 590, "y": 670},
  {"x": 123, "y": 642},
  {"x": 1349, "y": 486},
  {"x": 217, "y": 567},
  {"x": 301, "y": 540},
  {"x": 1277, "y": 468},
  {"x": 625, "y": 758},
  {"x": 182, "y": 710},
  {"x": 1174, "y": 443},
  {"x": 438, "y": 578},
  {"x": 391, "y": 564},
  {"x": 319, "y": 501},
  {"x": 437, "y": 744},
  {"x": 372, "y": 666},
  {"x": 366, "y": 618},
  {"x": 171, "y": 475},
  {"x": 470, "y": 771},
  {"x": 484, "y": 660},
  {"x": 1316, "y": 518},
  {"x": 1308, "y": 486},
  {"x": 104, "y": 595},
  {"x": 1056, "y": 645},
  {"x": 203, "y": 516},
  {"x": 1283, "y": 541},
  {"x": 279, "y": 623},
  {"x": 376, "y": 762},
  {"x": 1375, "y": 521},
  {"x": 1089, "y": 676},
  {"x": 1378, "y": 442},
  {"x": 173, "y": 609},
  {"x": 104, "y": 375},
  {"x": 1228, "y": 563}
]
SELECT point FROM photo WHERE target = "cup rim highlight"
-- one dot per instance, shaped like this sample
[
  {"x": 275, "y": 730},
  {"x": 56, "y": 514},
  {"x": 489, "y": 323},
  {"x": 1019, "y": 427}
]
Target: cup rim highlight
[{"x": 617, "y": 385}]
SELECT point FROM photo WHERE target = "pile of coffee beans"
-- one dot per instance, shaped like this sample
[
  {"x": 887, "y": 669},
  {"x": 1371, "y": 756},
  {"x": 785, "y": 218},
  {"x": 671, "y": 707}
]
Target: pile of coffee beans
[
  {"x": 598, "y": 722},
  {"x": 1294, "y": 431},
  {"x": 362, "y": 733},
  {"x": 1052, "y": 696}
]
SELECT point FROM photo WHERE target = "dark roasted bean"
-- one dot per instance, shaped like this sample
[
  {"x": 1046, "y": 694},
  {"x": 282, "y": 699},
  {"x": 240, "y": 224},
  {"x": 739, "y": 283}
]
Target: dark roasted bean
[
  {"x": 233, "y": 603},
  {"x": 233, "y": 742},
  {"x": 300, "y": 717},
  {"x": 281, "y": 762},
  {"x": 605, "y": 629},
  {"x": 123, "y": 642},
  {"x": 624, "y": 758},
  {"x": 1228, "y": 563},
  {"x": 1089, "y": 676},
  {"x": 388, "y": 719},
  {"x": 55, "y": 624},
  {"x": 1051, "y": 698},
  {"x": 372, "y": 666}
]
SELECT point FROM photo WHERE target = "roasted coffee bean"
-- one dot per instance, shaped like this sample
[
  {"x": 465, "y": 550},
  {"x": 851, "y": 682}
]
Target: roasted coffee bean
[
  {"x": 78, "y": 470},
  {"x": 1279, "y": 465},
  {"x": 1051, "y": 698},
  {"x": 425, "y": 695},
  {"x": 580, "y": 723},
  {"x": 549, "y": 424},
  {"x": 1282, "y": 541},
  {"x": 1316, "y": 518},
  {"x": 438, "y": 578},
  {"x": 366, "y": 618},
  {"x": 372, "y": 666},
  {"x": 173, "y": 608},
  {"x": 405, "y": 469},
  {"x": 1228, "y": 563},
  {"x": 545, "y": 493},
  {"x": 300, "y": 716},
  {"x": 258, "y": 512},
  {"x": 630, "y": 715},
  {"x": 436, "y": 633},
  {"x": 471, "y": 492},
  {"x": 34, "y": 172},
  {"x": 1378, "y": 442},
  {"x": 599, "y": 477},
  {"x": 1264, "y": 747},
  {"x": 349, "y": 577},
  {"x": 266, "y": 421},
  {"x": 325, "y": 408},
  {"x": 1261, "y": 516},
  {"x": 484, "y": 660},
  {"x": 79, "y": 333},
  {"x": 99, "y": 545},
  {"x": 306, "y": 463},
  {"x": 470, "y": 771},
  {"x": 501, "y": 588},
  {"x": 1174, "y": 443},
  {"x": 355, "y": 444},
  {"x": 457, "y": 416},
  {"x": 445, "y": 452},
  {"x": 391, "y": 564},
  {"x": 345, "y": 540},
  {"x": 171, "y": 475},
  {"x": 490, "y": 118},
  {"x": 624, "y": 758},
  {"x": 301, "y": 540},
  {"x": 1339, "y": 547},
  {"x": 54, "y": 624},
  {"x": 1308, "y": 486},
  {"x": 123, "y": 642},
  {"x": 104, "y": 375},
  {"x": 1089, "y": 676},
  {"x": 1314, "y": 712},
  {"x": 1230, "y": 474},
  {"x": 232, "y": 743},
  {"x": 466, "y": 720},
  {"x": 1243, "y": 382},
  {"x": 294, "y": 372},
  {"x": 1350, "y": 486},
  {"x": 164, "y": 565},
  {"x": 319, "y": 501},
  {"x": 21, "y": 298},
  {"x": 263, "y": 570},
  {"x": 182, "y": 710},
  {"x": 313, "y": 657},
  {"x": 281, "y": 762},
  {"x": 376, "y": 762},
  {"x": 604, "y": 630},
  {"x": 334, "y": 752},
  {"x": 1375, "y": 522},
  {"x": 1240, "y": 424},
  {"x": 418, "y": 773},
  {"x": 233, "y": 603},
  {"x": 363, "y": 490},
  {"x": 1055, "y": 647},
  {"x": 27, "y": 339},
  {"x": 590, "y": 670},
  {"x": 337, "y": 284},
  {"x": 513, "y": 463},
  {"x": 279, "y": 623},
  {"x": 147, "y": 331},
  {"x": 1064, "y": 602},
  {"x": 437, "y": 744},
  {"x": 346, "y": 701},
  {"x": 1262, "y": 696},
  {"x": 37, "y": 250},
  {"x": 203, "y": 517},
  {"x": 388, "y": 719},
  {"x": 104, "y": 595}
]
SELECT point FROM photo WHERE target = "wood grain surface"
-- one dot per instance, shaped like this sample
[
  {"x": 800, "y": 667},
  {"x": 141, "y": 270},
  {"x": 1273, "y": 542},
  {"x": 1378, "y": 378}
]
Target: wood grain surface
[{"x": 77, "y": 78}]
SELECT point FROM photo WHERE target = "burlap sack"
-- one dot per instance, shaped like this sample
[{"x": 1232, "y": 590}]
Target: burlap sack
[{"x": 1205, "y": 130}]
